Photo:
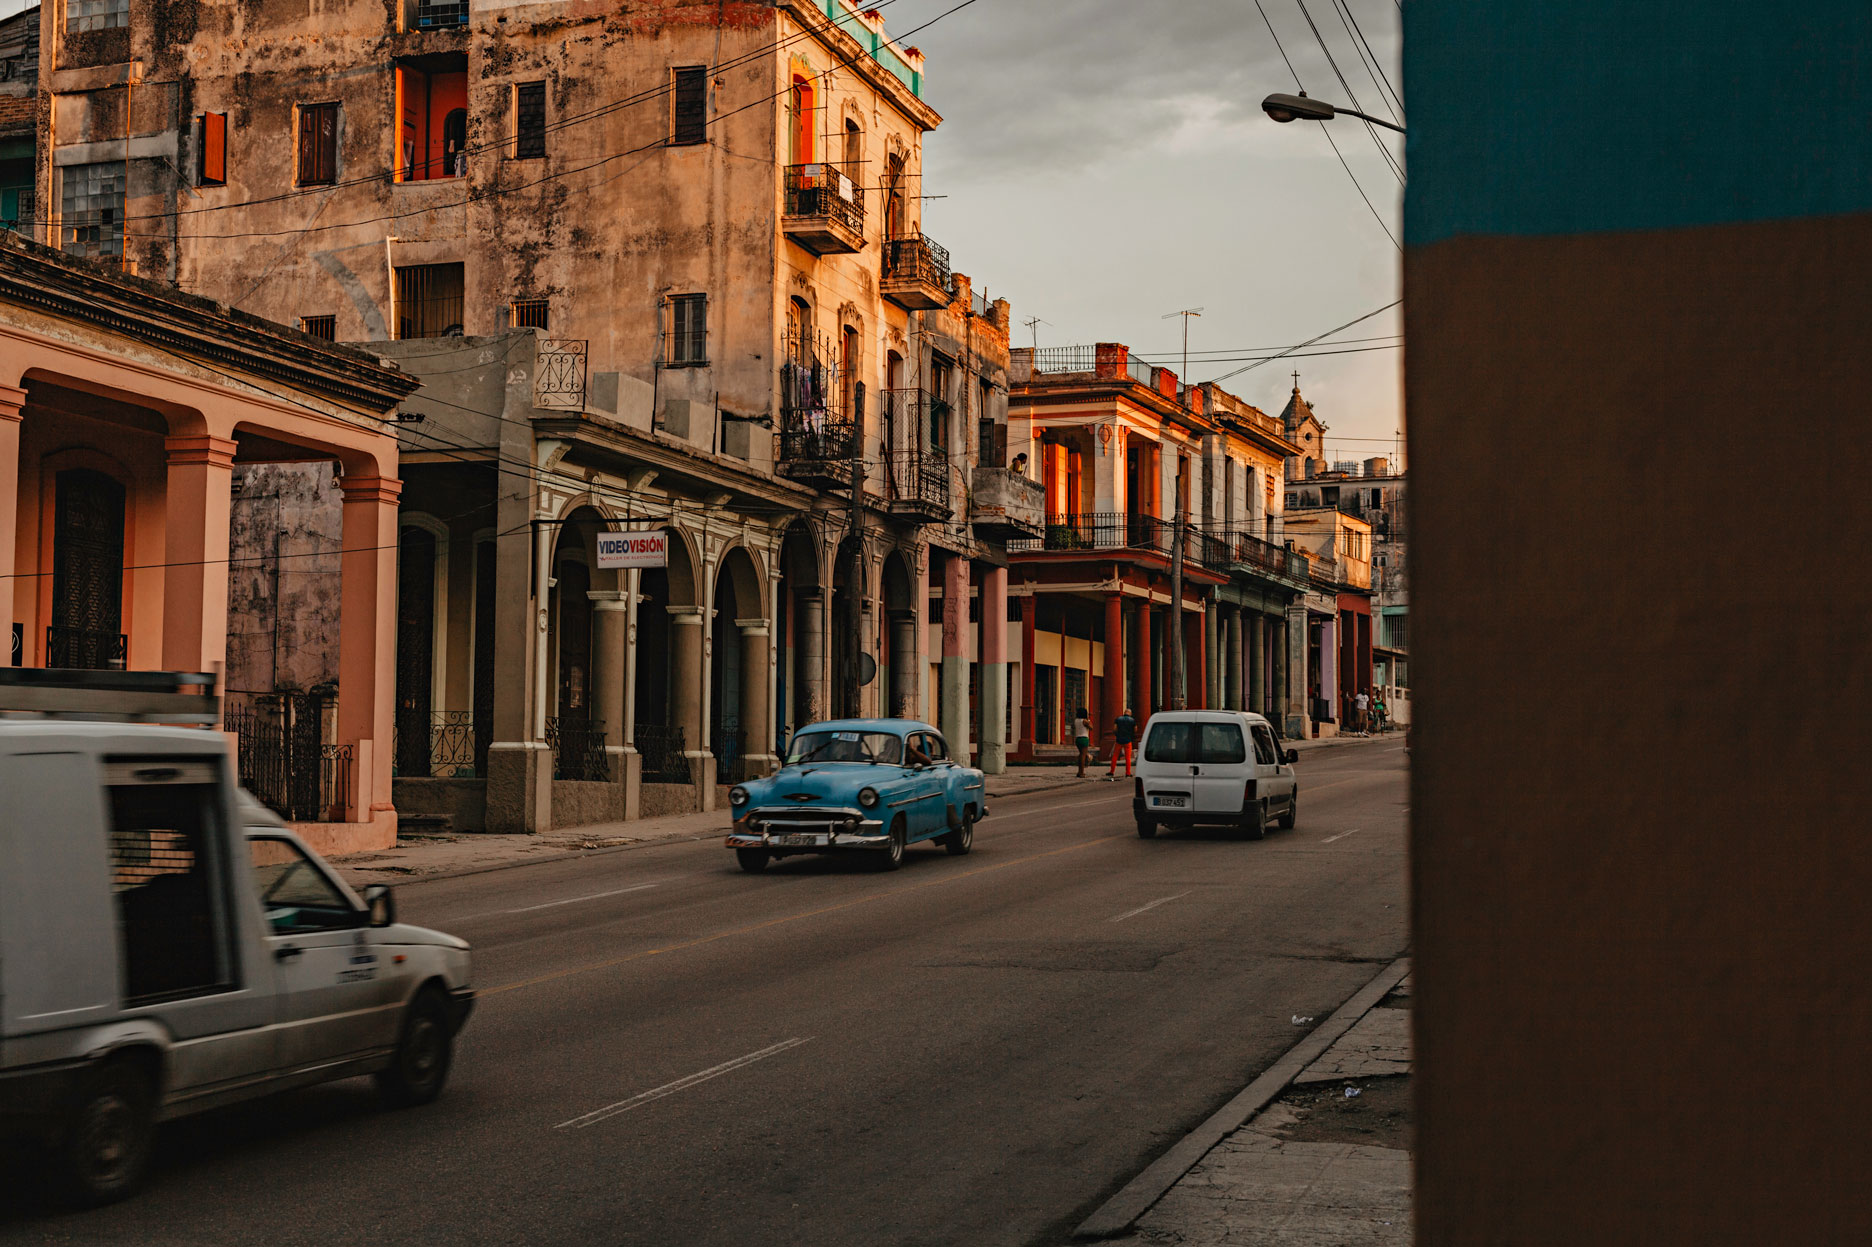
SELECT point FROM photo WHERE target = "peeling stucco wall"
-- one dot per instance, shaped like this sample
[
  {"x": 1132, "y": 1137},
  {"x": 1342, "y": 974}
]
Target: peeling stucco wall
[{"x": 285, "y": 531}]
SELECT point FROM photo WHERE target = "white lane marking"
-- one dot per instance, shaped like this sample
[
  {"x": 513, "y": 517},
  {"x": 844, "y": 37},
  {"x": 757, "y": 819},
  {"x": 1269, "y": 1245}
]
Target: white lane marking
[
  {"x": 1342, "y": 835},
  {"x": 681, "y": 1084},
  {"x": 573, "y": 900},
  {"x": 1162, "y": 900}
]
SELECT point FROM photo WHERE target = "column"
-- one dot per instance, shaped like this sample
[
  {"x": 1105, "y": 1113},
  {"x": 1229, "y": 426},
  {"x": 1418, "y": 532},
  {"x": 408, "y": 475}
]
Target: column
[
  {"x": 1114, "y": 704},
  {"x": 1212, "y": 654},
  {"x": 922, "y": 635},
  {"x": 1030, "y": 606},
  {"x": 1290, "y": 685},
  {"x": 1257, "y": 663},
  {"x": 1141, "y": 699},
  {"x": 196, "y": 508},
  {"x": 756, "y": 689},
  {"x": 810, "y": 693},
  {"x": 954, "y": 696},
  {"x": 366, "y": 641},
  {"x": 631, "y": 760},
  {"x": 1329, "y": 666},
  {"x": 610, "y": 625},
  {"x": 994, "y": 673},
  {"x": 12, "y": 404},
  {"x": 686, "y": 690},
  {"x": 904, "y": 666},
  {"x": 1232, "y": 660},
  {"x": 1196, "y": 647}
]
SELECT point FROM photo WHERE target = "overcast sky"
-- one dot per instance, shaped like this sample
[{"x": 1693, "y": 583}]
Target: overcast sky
[{"x": 1105, "y": 162}]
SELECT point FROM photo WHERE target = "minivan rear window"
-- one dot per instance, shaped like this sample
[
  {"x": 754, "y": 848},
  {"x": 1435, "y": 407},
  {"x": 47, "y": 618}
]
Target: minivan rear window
[{"x": 1213, "y": 743}]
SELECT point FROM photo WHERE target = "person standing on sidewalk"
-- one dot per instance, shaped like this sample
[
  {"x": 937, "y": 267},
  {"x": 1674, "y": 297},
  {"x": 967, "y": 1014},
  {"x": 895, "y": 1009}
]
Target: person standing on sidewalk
[
  {"x": 1360, "y": 705},
  {"x": 1124, "y": 731},
  {"x": 1082, "y": 738}
]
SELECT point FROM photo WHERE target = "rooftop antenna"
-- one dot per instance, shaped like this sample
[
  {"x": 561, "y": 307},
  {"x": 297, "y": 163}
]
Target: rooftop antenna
[{"x": 1032, "y": 324}]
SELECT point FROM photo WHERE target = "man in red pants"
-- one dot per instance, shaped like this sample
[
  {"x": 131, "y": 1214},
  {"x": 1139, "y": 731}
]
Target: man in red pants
[{"x": 1124, "y": 732}]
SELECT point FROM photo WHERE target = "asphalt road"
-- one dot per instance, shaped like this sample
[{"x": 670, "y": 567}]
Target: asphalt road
[{"x": 969, "y": 1051}]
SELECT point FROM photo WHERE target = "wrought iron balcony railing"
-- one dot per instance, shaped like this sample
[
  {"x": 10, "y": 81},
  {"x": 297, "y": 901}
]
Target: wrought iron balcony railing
[
  {"x": 915, "y": 258},
  {"x": 1125, "y": 530},
  {"x": 662, "y": 748},
  {"x": 578, "y": 747},
  {"x": 1245, "y": 549},
  {"x": 825, "y": 190}
]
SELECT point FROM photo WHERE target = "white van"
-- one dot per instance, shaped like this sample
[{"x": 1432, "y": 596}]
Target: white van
[
  {"x": 1218, "y": 767},
  {"x": 167, "y": 945}
]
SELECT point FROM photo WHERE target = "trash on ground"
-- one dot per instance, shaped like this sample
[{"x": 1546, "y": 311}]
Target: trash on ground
[
  {"x": 1300, "y": 1021},
  {"x": 1351, "y": 1092}
]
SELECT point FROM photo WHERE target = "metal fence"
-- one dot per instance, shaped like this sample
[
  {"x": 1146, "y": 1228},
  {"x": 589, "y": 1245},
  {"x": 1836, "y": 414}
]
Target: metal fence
[
  {"x": 578, "y": 747},
  {"x": 85, "y": 649},
  {"x": 662, "y": 748},
  {"x": 920, "y": 476},
  {"x": 1125, "y": 530},
  {"x": 915, "y": 258},
  {"x": 286, "y": 763},
  {"x": 825, "y": 190}
]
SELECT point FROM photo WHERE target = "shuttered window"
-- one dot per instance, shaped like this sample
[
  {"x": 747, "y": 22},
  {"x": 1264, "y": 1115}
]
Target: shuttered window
[
  {"x": 689, "y": 105},
  {"x": 529, "y": 120},
  {"x": 211, "y": 169},
  {"x": 318, "y": 144},
  {"x": 688, "y": 330}
]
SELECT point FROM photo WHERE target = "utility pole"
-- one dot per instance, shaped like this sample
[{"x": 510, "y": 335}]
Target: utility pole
[
  {"x": 854, "y": 576},
  {"x": 1179, "y": 698}
]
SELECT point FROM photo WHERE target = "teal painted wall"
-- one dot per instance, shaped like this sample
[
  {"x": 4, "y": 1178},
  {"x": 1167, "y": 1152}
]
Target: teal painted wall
[{"x": 1537, "y": 117}]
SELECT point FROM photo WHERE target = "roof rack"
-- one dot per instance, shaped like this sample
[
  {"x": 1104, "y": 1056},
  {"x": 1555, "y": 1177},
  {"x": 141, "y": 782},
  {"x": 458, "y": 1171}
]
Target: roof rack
[{"x": 186, "y": 697}]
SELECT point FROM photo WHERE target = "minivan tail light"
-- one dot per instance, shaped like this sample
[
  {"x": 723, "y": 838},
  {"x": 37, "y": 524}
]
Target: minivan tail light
[
  {"x": 1248, "y": 793},
  {"x": 1137, "y": 787}
]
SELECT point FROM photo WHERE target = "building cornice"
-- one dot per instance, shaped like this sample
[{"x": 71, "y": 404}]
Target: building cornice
[{"x": 858, "y": 58}]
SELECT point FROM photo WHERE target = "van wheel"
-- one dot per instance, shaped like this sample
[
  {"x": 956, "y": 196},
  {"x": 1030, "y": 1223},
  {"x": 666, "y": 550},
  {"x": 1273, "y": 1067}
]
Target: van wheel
[
  {"x": 107, "y": 1140},
  {"x": 962, "y": 839},
  {"x": 753, "y": 860},
  {"x": 423, "y": 1053},
  {"x": 1286, "y": 820},
  {"x": 1254, "y": 821},
  {"x": 892, "y": 856},
  {"x": 1147, "y": 830}
]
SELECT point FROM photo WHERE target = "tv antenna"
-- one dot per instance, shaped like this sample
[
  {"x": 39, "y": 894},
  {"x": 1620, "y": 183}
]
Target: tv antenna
[{"x": 1032, "y": 324}]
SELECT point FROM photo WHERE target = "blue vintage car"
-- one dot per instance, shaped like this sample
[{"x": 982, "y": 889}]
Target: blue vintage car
[{"x": 872, "y": 785}]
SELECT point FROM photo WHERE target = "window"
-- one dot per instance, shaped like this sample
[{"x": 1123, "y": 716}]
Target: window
[
  {"x": 854, "y": 147},
  {"x": 428, "y": 300},
  {"x": 437, "y": 14},
  {"x": 800, "y": 135},
  {"x": 529, "y": 120},
  {"x": 432, "y": 118},
  {"x": 325, "y": 327},
  {"x": 799, "y": 331},
  {"x": 688, "y": 105},
  {"x": 167, "y": 878},
  {"x": 295, "y": 893},
  {"x": 687, "y": 345},
  {"x": 211, "y": 160},
  {"x": 82, "y": 15},
  {"x": 529, "y": 314},
  {"x": 91, "y": 207},
  {"x": 1266, "y": 751},
  {"x": 1214, "y": 743},
  {"x": 318, "y": 144}
]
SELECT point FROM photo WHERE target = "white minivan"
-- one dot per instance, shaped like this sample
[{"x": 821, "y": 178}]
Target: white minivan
[
  {"x": 1214, "y": 767},
  {"x": 167, "y": 945}
]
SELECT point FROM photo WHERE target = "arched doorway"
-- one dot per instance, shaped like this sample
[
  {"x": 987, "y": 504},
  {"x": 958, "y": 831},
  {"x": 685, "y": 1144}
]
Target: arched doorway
[
  {"x": 573, "y": 730},
  {"x": 898, "y": 665},
  {"x": 799, "y": 623},
  {"x": 850, "y": 589},
  {"x": 86, "y": 627},
  {"x": 738, "y": 668},
  {"x": 666, "y": 602}
]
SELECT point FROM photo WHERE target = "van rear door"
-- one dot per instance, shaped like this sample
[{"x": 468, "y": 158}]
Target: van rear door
[
  {"x": 1222, "y": 767},
  {"x": 1194, "y": 766},
  {"x": 1164, "y": 766}
]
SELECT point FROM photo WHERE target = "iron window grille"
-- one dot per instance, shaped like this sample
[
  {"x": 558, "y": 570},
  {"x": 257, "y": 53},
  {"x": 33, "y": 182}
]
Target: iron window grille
[
  {"x": 529, "y": 120},
  {"x": 529, "y": 314},
  {"x": 429, "y": 300},
  {"x": 325, "y": 327},
  {"x": 688, "y": 105},
  {"x": 686, "y": 345},
  {"x": 318, "y": 144}
]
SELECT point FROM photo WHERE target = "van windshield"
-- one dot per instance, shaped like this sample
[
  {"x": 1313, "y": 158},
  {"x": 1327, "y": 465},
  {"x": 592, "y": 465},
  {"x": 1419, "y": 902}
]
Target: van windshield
[{"x": 1214, "y": 743}]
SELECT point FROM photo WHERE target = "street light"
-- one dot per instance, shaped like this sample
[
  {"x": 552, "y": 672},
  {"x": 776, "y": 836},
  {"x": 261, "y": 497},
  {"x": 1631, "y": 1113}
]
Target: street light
[{"x": 1301, "y": 107}]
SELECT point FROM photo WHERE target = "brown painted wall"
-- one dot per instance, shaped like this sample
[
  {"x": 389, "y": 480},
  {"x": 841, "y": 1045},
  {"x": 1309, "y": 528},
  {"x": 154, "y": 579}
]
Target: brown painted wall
[{"x": 1640, "y": 861}]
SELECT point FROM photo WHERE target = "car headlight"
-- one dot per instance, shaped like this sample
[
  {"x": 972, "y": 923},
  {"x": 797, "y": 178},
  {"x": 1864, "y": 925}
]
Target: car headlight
[
  {"x": 738, "y": 795},
  {"x": 868, "y": 798}
]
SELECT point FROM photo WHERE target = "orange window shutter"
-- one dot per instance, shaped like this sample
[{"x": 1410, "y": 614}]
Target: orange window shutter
[{"x": 213, "y": 170}]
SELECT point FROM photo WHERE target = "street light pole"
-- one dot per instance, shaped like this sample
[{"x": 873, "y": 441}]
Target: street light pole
[{"x": 1303, "y": 107}]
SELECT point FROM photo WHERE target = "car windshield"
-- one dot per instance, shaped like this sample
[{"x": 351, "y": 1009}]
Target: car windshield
[
  {"x": 886, "y": 747},
  {"x": 1195, "y": 742}
]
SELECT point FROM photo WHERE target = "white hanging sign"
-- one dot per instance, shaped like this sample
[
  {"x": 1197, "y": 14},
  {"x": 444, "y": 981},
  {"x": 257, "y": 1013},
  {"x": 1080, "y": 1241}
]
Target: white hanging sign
[{"x": 625, "y": 550}]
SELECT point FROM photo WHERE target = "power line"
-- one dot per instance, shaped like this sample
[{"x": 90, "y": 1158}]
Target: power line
[
  {"x": 1359, "y": 32},
  {"x": 1310, "y": 341},
  {"x": 1320, "y": 39}
]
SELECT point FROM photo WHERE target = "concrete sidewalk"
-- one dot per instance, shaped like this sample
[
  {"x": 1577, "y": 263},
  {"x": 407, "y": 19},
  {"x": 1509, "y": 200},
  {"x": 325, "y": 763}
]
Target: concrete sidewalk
[{"x": 1326, "y": 1161}]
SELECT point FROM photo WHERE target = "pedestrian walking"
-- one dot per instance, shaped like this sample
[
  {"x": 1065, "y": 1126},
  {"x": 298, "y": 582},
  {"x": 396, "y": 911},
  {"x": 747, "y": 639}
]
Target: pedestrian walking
[
  {"x": 1360, "y": 704},
  {"x": 1082, "y": 737},
  {"x": 1124, "y": 732},
  {"x": 1381, "y": 714}
]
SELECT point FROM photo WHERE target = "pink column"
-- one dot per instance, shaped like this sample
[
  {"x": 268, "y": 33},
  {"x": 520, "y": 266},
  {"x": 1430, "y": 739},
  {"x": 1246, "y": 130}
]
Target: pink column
[
  {"x": 12, "y": 401},
  {"x": 994, "y": 672},
  {"x": 952, "y": 700},
  {"x": 196, "y": 507},
  {"x": 367, "y": 643}
]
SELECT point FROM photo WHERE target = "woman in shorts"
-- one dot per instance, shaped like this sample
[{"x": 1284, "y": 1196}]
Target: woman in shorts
[{"x": 1082, "y": 737}]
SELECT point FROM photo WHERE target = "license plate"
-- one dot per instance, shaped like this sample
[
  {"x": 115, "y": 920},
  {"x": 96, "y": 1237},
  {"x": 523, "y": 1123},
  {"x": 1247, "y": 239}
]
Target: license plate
[
  {"x": 795, "y": 840},
  {"x": 1176, "y": 802}
]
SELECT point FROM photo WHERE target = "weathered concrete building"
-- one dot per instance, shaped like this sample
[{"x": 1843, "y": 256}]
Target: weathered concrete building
[
  {"x": 660, "y": 267},
  {"x": 1338, "y": 665},
  {"x": 1375, "y": 495},
  {"x": 19, "y": 119},
  {"x": 1115, "y": 437}
]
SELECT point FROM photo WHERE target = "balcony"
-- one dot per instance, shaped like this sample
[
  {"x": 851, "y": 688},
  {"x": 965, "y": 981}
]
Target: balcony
[
  {"x": 1104, "y": 532},
  {"x": 916, "y": 273},
  {"x": 1006, "y": 505},
  {"x": 1250, "y": 555},
  {"x": 919, "y": 486},
  {"x": 824, "y": 209}
]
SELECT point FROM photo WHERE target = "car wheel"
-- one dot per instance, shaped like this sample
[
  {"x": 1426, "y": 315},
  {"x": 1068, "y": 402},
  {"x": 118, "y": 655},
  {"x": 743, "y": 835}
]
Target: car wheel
[
  {"x": 892, "y": 856},
  {"x": 1147, "y": 830},
  {"x": 753, "y": 860},
  {"x": 1293, "y": 812},
  {"x": 107, "y": 1141},
  {"x": 424, "y": 1052},
  {"x": 962, "y": 839},
  {"x": 1254, "y": 820}
]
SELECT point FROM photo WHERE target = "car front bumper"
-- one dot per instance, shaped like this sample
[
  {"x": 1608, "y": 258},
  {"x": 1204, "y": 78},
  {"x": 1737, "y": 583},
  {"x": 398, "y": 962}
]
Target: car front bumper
[{"x": 793, "y": 830}]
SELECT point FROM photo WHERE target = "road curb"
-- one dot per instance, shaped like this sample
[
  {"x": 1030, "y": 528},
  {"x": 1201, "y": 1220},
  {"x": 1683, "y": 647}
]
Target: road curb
[{"x": 1116, "y": 1214}]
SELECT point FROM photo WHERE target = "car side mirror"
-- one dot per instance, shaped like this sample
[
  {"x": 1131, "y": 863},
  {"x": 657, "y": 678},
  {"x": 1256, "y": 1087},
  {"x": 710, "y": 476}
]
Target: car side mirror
[
  {"x": 381, "y": 904},
  {"x": 1290, "y": 757}
]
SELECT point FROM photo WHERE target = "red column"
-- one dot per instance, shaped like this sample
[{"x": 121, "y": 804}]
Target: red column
[
  {"x": 1196, "y": 664},
  {"x": 196, "y": 509},
  {"x": 12, "y": 404},
  {"x": 1028, "y": 605},
  {"x": 1114, "y": 669},
  {"x": 1142, "y": 671}
]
